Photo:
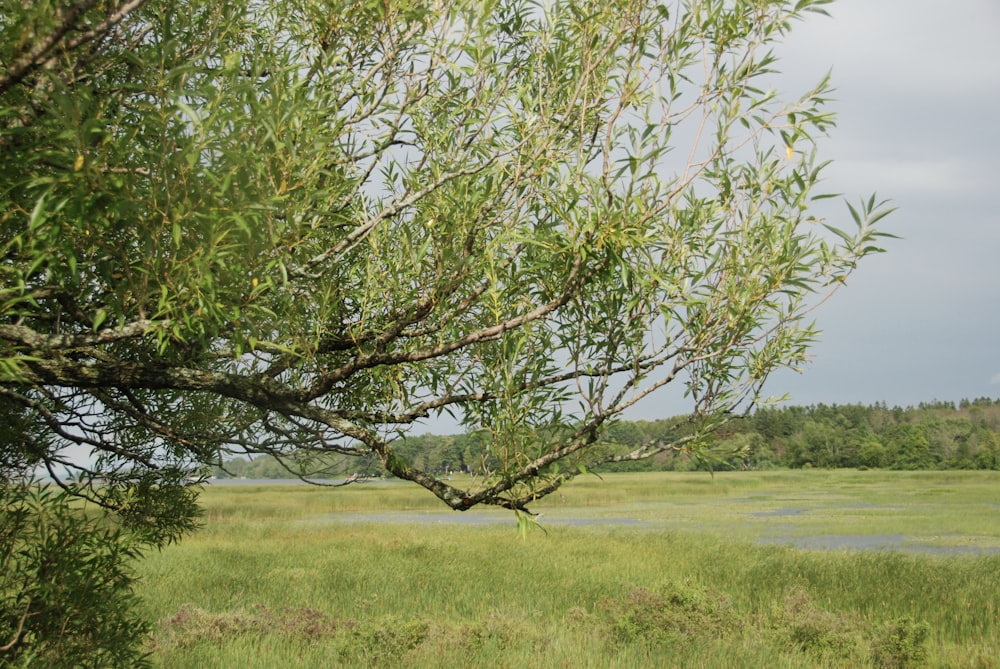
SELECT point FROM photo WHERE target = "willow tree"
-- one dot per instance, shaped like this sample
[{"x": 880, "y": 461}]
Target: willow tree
[{"x": 300, "y": 228}]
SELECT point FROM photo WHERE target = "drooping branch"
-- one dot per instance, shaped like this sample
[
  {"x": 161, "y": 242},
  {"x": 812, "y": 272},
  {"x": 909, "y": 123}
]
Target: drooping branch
[{"x": 530, "y": 220}]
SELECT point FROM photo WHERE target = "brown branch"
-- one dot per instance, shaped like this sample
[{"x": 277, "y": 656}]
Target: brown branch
[
  {"x": 41, "y": 55},
  {"x": 37, "y": 341},
  {"x": 105, "y": 26},
  {"x": 20, "y": 629},
  {"x": 492, "y": 333},
  {"x": 36, "y": 56}
]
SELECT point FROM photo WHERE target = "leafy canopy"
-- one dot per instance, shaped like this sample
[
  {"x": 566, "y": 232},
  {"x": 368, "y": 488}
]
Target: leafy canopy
[{"x": 302, "y": 227}]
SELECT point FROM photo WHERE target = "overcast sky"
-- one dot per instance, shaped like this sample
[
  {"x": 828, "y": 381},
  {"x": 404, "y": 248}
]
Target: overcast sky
[
  {"x": 917, "y": 92},
  {"x": 917, "y": 97}
]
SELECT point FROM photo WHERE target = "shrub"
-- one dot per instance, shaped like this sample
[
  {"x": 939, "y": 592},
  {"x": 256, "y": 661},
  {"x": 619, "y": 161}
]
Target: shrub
[
  {"x": 386, "y": 640},
  {"x": 815, "y": 630},
  {"x": 66, "y": 582},
  {"x": 901, "y": 645},
  {"x": 192, "y": 625},
  {"x": 668, "y": 614}
]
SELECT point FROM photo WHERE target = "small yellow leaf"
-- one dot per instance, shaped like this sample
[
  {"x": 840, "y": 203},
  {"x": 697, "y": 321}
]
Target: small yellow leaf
[
  {"x": 78, "y": 165},
  {"x": 254, "y": 282},
  {"x": 788, "y": 151}
]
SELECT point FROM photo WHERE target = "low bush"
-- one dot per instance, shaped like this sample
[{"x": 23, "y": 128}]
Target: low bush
[
  {"x": 814, "y": 630},
  {"x": 667, "y": 614},
  {"x": 66, "y": 584},
  {"x": 901, "y": 644}
]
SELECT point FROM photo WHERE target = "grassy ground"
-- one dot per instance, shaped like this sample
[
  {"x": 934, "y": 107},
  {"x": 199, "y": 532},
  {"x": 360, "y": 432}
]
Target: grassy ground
[{"x": 293, "y": 576}]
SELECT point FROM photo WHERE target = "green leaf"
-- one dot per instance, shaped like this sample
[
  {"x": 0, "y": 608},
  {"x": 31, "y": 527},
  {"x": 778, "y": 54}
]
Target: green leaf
[{"x": 99, "y": 317}]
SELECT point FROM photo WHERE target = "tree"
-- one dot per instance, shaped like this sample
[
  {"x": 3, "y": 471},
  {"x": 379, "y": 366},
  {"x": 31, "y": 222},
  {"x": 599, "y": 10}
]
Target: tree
[
  {"x": 300, "y": 228},
  {"x": 908, "y": 447}
]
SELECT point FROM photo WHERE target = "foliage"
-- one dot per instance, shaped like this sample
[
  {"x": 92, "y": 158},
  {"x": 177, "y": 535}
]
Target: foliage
[
  {"x": 667, "y": 615},
  {"x": 66, "y": 581},
  {"x": 300, "y": 228},
  {"x": 901, "y": 644},
  {"x": 387, "y": 640},
  {"x": 936, "y": 435},
  {"x": 932, "y": 435},
  {"x": 815, "y": 630},
  {"x": 66, "y": 584},
  {"x": 896, "y": 644}
]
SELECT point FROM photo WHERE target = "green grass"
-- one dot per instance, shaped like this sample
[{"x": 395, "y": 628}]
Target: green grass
[{"x": 287, "y": 576}]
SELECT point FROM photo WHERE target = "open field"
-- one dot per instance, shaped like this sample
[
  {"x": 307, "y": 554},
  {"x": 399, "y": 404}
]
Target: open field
[{"x": 664, "y": 570}]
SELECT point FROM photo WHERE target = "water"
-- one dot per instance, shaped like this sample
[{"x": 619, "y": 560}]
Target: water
[
  {"x": 821, "y": 542},
  {"x": 579, "y": 518}
]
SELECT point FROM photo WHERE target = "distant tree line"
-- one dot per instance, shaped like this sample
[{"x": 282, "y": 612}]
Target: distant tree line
[{"x": 934, "y": 435}]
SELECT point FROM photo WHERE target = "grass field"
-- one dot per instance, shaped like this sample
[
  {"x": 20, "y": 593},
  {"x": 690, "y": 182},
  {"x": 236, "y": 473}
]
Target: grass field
[{"x": 650, "y": 570}]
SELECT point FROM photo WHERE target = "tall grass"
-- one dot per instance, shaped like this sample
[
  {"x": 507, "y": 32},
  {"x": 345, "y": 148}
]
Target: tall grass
[{"x": 286, "y": 576}]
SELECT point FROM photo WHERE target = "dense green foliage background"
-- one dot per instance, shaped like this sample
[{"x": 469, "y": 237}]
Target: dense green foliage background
[{"x": 932, "y": 435}]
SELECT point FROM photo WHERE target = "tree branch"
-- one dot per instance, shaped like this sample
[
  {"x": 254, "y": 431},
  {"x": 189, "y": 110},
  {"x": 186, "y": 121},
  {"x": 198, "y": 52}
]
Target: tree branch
[
  {"x": 37, "y": 55},
  {"x": 36, "y": 341}
]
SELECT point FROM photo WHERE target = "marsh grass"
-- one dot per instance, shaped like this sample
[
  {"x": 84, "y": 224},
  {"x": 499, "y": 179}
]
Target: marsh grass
[{"x": 278, "y": 579}]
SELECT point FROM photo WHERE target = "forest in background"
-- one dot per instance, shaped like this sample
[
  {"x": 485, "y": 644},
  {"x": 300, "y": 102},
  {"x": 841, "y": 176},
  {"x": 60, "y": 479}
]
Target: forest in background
[{"x": 934, "y": 435}]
